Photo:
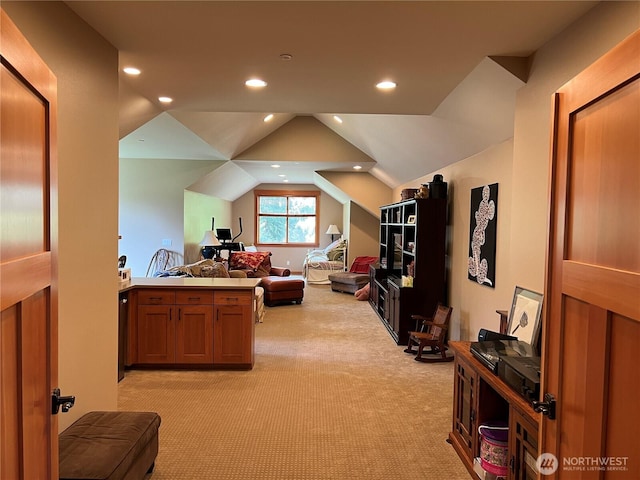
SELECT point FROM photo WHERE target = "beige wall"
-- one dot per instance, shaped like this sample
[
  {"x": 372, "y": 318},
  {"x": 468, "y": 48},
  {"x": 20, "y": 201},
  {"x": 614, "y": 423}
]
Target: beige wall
[
  {"x": 521, "y": 167},
  {"x": 87, "y": 71},
  {"x": 363, "y": 233},
  {"x": 199, "y": 210}
]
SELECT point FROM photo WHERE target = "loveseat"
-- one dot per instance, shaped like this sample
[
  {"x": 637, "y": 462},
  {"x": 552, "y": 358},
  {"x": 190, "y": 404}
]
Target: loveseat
[{"x": 255, "y": 264}]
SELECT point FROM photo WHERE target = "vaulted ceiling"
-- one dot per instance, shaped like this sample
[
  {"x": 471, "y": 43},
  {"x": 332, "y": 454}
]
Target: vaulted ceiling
[{"x": 457, "y": 66}]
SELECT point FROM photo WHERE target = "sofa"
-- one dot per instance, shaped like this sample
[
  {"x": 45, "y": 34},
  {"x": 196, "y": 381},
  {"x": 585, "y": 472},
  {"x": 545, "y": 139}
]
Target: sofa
[{"x": 255, "y": 264}]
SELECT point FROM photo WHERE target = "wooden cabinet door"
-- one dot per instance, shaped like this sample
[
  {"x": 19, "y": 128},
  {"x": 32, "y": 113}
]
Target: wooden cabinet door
[
  {"x": 194, "y": 334},
  {"x": 465, "y": 406},
  {"x": 394, "y": 307},
  {"x": 156, "y": 334},
  {"x": 232, "y": 334},
  {"x": 592, "y": 307},
  {"x": 523, "y": 447}
]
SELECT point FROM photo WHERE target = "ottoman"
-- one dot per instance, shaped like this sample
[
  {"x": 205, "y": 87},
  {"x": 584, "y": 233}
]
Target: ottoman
[
  {"x": 282, "y": 290},
  {"x": 348, "y": 282},
  {"x": 109, "y": 446}
]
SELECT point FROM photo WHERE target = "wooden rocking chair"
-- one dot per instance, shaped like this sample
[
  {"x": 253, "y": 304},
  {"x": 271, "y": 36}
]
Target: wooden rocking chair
[{"x": 433, "y": 334}]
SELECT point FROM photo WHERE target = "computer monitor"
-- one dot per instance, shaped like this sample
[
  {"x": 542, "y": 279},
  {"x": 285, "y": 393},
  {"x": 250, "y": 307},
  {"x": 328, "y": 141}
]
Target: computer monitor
[{"x": 223, "y": 234}]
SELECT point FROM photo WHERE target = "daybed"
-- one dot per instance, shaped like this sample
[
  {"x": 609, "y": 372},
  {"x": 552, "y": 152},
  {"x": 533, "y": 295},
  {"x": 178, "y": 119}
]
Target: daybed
[{"x": 320, "y": 263}]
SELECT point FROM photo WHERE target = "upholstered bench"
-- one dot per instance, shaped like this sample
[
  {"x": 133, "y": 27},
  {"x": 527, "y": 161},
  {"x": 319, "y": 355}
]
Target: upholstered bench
[
  {"x": 282, "y": 290},
  {"x": 109, "y": 446},
  {"x": 348, "y": 282}
]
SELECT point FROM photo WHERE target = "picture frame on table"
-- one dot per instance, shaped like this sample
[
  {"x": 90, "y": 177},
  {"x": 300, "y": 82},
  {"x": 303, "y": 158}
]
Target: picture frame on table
[
  {"x": 525, "y": 316},
  {"x": 411, "y": 219}
]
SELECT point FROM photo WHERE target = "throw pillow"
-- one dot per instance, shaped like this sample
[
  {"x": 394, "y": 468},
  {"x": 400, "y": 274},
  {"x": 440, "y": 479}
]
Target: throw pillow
[
  {"x": 361, "y": 264},
  {"x": 335, "y": 254}
]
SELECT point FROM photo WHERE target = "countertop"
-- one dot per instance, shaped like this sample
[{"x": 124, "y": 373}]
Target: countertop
[{"x": 190, "y": 282}]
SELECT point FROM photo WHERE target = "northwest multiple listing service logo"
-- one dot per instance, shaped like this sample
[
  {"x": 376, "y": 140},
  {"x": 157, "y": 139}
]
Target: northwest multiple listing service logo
[{"x": 548, "y": 464}]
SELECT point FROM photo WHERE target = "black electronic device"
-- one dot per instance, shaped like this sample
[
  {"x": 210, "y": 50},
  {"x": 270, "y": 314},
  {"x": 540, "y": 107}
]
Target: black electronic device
[
  {"x": 223, "y": 234},
  {"x": 490, "y": 352},
  {"x": 484, "y": 335},
  {"x": 522, "y": 374}
]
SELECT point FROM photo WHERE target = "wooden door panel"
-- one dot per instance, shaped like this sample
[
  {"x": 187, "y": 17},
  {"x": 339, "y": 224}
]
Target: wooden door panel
[
  {"x": 584, "y": 348},
  {"x": 24, "y": 194},
  {"x": 35, "y": 383},
  {"x": 623, "y": 389},
  {"x": 9, "y": 450},
  {"x": 603, "y": 173}
]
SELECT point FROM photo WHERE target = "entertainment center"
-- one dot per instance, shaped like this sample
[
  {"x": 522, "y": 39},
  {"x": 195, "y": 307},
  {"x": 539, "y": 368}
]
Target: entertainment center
[
  {"x": 481, "y": 397},
  {"x": 410, "y": 278}
]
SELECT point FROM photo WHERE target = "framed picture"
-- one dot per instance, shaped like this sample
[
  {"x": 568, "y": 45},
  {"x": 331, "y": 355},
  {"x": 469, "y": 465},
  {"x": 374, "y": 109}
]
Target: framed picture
[
  {"x": 482, "y": 235},
  {"x": 524, "y": 316},
  {"x": 411, "y": 219}
]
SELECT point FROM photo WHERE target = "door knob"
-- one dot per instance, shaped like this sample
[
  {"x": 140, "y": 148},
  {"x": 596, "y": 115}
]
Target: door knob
[{"x": 59, "y": 402}]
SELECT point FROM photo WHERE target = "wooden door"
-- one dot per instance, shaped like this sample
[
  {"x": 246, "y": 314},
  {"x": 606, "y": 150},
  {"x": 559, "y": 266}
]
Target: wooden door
[
  {"x": 194, "y": 334},
  {"x": 229, "y": 335},
  {"x": 28, "y": 272},
  {"x": 592, "y": 304},
  {"x": 156, "y": 334}
]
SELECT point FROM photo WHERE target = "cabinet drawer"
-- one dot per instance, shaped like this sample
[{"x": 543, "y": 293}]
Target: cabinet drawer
[
  {"x": 156, "y": 297},
  {"x": 232, "y": 297},
  {"x": 194, "y": 297}
]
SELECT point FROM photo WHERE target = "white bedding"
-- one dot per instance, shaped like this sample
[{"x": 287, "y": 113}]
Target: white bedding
[{"x": 319, "y": 264}]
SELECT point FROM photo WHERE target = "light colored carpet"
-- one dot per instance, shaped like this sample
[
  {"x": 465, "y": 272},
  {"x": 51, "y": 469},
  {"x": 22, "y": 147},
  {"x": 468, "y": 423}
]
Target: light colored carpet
[{"x": 331, "y": 396}]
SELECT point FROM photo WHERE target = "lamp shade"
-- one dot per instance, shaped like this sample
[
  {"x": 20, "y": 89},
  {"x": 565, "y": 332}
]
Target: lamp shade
[
  {"x": 332, "y": 230},
  {"x": 209, "y": 239}
]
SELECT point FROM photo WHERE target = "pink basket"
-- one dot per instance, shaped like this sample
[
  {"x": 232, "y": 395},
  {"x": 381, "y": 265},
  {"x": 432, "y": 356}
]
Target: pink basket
[{"x": 494, "y": 451}]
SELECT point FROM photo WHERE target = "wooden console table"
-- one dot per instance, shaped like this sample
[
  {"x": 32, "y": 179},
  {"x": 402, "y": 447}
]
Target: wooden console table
[
  {"x": 190, "y": 322},
  {"x": 480, "y": 396}
]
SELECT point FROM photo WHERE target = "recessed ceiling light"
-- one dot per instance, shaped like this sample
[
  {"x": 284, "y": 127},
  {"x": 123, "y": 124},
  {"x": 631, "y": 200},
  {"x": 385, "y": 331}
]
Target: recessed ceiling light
[
  {"x": 275, "y": 165},
  {"x": 255, "y": 83},
  {"x": 285, "y": 180},
  {"x": 337, "y": 118},
  {"x": 268, "y": 118},
  {"x": 386, "y": 85},
  {"x": 286, "y": 56},
  {"x": 131, "y": 70},
  {"x": 165, "y": 99},
  {"x": 357, "y": 167},
  {"x": 282, "y": 175}
]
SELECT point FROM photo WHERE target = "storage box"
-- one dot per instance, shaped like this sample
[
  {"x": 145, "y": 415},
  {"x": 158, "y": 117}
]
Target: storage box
[
  {"x": 494, "y": 452},
  {"x": 124, "y": 274}
]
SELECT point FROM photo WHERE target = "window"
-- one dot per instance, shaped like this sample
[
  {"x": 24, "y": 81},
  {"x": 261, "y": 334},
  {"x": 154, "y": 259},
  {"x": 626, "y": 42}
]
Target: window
[{"x": 287, "y": 217}]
